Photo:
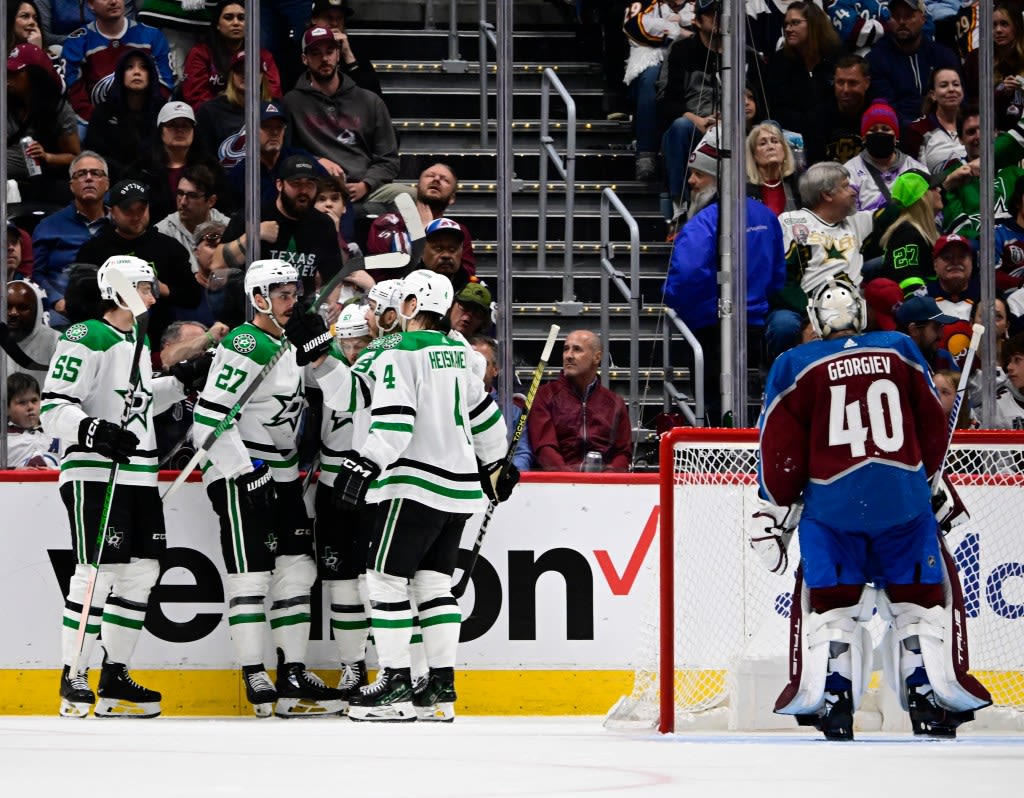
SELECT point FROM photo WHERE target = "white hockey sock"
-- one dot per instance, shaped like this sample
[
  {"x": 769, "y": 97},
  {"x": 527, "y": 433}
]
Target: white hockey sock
[
  {"x": 420, "y": 668},
  {"x": 246, "y": 616},
  {"x": 350, "y": 622},
  {"x": 290, "y": 613},
  {"x": 439, "y": 615},
  {"x": 125, "y": 610},
  {"x": 73, "y": 614},
  {"x": 390, "y": 617}
]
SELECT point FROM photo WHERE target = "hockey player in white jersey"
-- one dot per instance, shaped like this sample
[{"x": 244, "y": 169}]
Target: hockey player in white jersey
[
  {"x": 432, "y": 427},
  {"x": 253, "y": 483},
  {"x": 83, "y": 402}
]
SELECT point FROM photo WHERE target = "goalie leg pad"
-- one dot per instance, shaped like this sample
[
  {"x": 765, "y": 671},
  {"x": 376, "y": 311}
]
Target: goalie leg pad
[{"x": 821, "y": 643}]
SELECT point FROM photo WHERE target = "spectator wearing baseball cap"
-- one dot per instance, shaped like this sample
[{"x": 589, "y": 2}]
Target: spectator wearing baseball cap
[
  {"x": 333, "y": 15},
  {"x": 471, "y": 312},
  {"x": 956, "y": 289},
  {"x": 209, "y": 63},
  {"x": 875, "y": 169},
  {"x": 921, "y": 319},
  {"x": 908, "y": 241},
  {"x": 442, "y": 251}
]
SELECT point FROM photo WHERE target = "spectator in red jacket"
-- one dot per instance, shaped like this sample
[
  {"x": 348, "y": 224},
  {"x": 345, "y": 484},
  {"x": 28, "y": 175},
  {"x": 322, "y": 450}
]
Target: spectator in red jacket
[{"x": 576, "y": 415}]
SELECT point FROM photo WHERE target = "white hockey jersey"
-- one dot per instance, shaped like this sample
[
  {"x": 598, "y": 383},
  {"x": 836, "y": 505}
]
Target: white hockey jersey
[
  {"x": 430, "y": 418},
  {"x": 267, "y": 427},
  {"x": 826, "y": 242},
  {"x": 89, "y": 377},
  {"x": 340, "y": 430}
]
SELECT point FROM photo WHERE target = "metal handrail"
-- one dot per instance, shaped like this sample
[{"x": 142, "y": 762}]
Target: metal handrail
[
  {"x": 673, "y": 395},
  {"x": 566, "y": 168},
  {"x": 486, "y": 34},
  {"x": 630, "y": 291}
]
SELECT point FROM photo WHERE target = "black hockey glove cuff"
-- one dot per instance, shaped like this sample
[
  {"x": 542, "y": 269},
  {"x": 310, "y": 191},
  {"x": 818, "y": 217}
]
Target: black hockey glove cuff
[
  {"x": 309, "y": 335},
  {"x": 107, "y": 439},
  {"x": 355, "y": 473},
  {"x": 192, "y": 373},
  {"x": 497, "y": 485},
  {"x": 257, "y": 488}
]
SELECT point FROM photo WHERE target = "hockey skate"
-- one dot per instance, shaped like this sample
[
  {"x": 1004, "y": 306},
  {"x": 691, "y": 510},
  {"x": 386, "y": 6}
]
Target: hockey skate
[
  {"x": 435, "y": 700},
  {"x": 122, "y": 697},
  {"x": 353, "y": 677},
  {"x": 387, "y": 699},
  {"x": 836, "y": 719},
  {"x": 303, "y": 694},
  {"x": 259, "y": 690},
  {"x": 928, "y": 718},
  {"x": 76, "y": 697}
]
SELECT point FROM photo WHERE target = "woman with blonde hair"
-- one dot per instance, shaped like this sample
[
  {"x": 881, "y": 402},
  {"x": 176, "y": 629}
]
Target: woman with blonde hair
[
  {"x": 771, "y": 169},
  {"x": 909, "y": 240}
]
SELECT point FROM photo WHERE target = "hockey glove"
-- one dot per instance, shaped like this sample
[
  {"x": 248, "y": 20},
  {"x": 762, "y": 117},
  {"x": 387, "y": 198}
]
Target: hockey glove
[
  {"x": 947, "y": 506},
  {"x": 497, "y": 485},
  {"x": 355, "y": 473},
  {"x": 107, "y": 439},
  {"x": 256, "y": 489},
  {"x": 192, "y": 373},
  {"x": 309, "y": 335},
  {"x": 770, "y": 530}
]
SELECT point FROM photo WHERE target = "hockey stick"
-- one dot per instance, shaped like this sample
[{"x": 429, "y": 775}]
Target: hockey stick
[
  {"x": 413, "y": 225},
  {"x": 977, "y": 331},
  {"x": 389, "y": 260},
  {"x": 123, "y": 286},
  {"x": 538, "y": 375},
  {"x": 16, "y": 353}
]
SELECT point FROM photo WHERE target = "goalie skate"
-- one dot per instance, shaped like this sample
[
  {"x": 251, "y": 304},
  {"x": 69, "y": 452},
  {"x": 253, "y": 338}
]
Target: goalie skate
[
  {"x": 435, "y": 700},
  {"x": 387, "y": 699},
  {"x": 76, "y": 697},
  {"x": 303, "y": 694},
  {"x": 122, "y": 697},
  {"x": 259, "y": 690},
  {"x": 928, "y": 718},
  {"x": 836, "y": 719}
]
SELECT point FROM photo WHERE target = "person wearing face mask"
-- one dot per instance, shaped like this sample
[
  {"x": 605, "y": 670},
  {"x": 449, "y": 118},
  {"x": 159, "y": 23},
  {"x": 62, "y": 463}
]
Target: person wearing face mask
[{"x": 873, "y": 171}]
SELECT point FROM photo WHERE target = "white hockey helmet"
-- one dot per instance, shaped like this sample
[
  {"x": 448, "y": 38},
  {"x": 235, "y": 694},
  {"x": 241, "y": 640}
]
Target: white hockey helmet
[
  {"x": 262, "y": 275},
  {"x": 352, "y": 322},
  {"x": 433, "y": 292},
  {"x": 384, "y": 296},
  {"x": 135, "y": 269},
  {"x": 837, "y": 307}
]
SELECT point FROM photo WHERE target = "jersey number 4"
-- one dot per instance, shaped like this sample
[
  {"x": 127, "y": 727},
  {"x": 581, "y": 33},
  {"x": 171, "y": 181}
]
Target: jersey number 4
[{"x": 885, "y": 419}]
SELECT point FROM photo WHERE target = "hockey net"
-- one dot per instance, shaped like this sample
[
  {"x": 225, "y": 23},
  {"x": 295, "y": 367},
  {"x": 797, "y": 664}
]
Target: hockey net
[{"x": 715, "y": 631}]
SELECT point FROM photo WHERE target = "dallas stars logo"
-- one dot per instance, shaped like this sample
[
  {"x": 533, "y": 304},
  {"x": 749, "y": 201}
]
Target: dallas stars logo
[
  {"x": 76, "y": 332},
  {"x": 337, "y": 421},
  {"x": 289, "y": 412},
  {"x": 113, "y": 538},
  {"x": 331, "y": 559},
  {"x": 141, "y": 401},
  {"x": 271, "y": 542}
]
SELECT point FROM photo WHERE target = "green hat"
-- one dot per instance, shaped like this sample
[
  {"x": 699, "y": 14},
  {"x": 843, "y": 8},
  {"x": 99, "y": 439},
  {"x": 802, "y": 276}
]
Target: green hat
[
  {"x": 475, "y": 294},
  {"x": 913, "y": 184}
]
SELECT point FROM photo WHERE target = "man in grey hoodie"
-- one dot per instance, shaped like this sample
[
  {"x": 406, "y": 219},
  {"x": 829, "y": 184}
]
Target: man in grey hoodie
[{"x": 28, "y": 328}]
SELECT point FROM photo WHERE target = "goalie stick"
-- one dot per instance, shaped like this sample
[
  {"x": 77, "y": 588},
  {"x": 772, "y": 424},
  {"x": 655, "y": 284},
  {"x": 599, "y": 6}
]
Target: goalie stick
[
  {"x": 388, "y": 260},
  {"x": 131, "y": 298},
  {"x": 538, "y": 374},
  {"x": 413, "y": 225}
]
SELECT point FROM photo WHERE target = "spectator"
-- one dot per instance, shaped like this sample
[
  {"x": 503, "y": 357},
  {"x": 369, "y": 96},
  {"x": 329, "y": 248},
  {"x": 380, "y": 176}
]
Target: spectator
[
  {"x": 1010, "y": 398},
  {"x": 291, "y": 228},
  {"x": 181, "y": 341},
  {"x": 19, "y": 253},
  {"x": 691, "y": 287},
  {"x": 472, "y": 311},
  {"x": 901, "y": 58},
  {"x": 1007, "y": 65},
  {"x": 575, "y": 415},
  {"x": 58, "y": 237},
  {"x": 220, "y": 122},
  {"x": 182, "y": 23},
  {"x": 435, "y": 193},
  {"x": 909, "y": 240},
  {"x": 1001, "y": 317},
  {"x": 947, "y": 381},
  {"x": 130, "y": 234},
  {"x": 771, "y": 170},
  {"x": 36, "y": 109},
  {"x": 883, "y": 297},
  {"x": 209, "y": 62},
  {"x": 822, "y": 240},
  {"x": 840, "y": 117},
  {"x": 955, "y": 288},
  {"x": 347, "y": 125},
  {"x": 442, "y": 251},
  {"x": 920, "y": 318},
  {"x": 28, "y": 325},
  {"x": 91, "y": 53},
  {"x": 799, "y": 76},
  {"x": 874, "y": 170},
  {"x": 27, "y": 445},
  {"x": 859, "y": 23},
  {"x": 124, "y": 126},
  {"x": 197, "y": 196},
  {"x": 174, "y": 150},
  {"x": 220, "y": 308},
  {"x": 933, "y": 138},
  {"x": 281, "y": 25},
  {"x": 23, "y": 27},
  {"x": 1009, "y": 243},
  {"x": 333, "y": 15},
  {"x": 330, "y": 200},
  {"x": 488, "y": 347}
]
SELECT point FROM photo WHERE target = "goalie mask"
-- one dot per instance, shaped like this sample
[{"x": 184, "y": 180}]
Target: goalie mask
[
  {"x": 262, "y": 275},
  {"x": 433, "y": 292},
  {"x": 135, "y": 269},
  {"x": 837, "y": 307},
  {"x": 352, "y": 322}
]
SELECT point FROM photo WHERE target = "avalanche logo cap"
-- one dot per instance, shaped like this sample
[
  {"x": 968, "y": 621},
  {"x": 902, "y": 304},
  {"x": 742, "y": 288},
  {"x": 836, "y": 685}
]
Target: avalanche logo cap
[
  {"x": 443, "y": 225},
  {"x": 316, "y": 35}
]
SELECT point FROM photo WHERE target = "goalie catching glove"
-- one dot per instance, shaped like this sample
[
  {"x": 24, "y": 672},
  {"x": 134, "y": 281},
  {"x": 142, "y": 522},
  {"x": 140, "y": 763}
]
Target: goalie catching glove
[
  {"x": 308, "y": 333},
  {"x": 770, "y": 531},
  {"x": 949, "y": 510},
  {"x": 355, "y": 473},
  {"x": 498, "y": 485},
  {"x": 107, "y": 439}
]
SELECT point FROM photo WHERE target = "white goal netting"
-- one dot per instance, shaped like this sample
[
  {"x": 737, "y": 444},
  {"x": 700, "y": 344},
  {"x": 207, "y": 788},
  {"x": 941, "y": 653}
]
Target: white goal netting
[{"x": 726, "y": 661}]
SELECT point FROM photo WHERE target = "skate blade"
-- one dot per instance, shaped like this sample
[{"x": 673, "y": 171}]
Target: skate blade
[
  {"x": 401, "y": 712},
  {"x": 73, "y": 710},
  {"x": 116, "y": 708},
  {"x": 442, "y": 712},
  {"x": 263, "y": 710},
  {"x": 306, "y": 708}
]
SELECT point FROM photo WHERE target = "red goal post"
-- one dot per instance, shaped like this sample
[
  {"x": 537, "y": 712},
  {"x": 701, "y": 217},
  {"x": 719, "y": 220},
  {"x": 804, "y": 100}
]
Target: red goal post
[{"x": 712, "y": 651}]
